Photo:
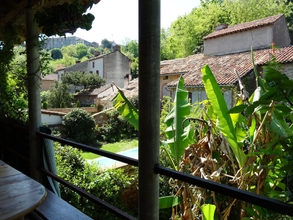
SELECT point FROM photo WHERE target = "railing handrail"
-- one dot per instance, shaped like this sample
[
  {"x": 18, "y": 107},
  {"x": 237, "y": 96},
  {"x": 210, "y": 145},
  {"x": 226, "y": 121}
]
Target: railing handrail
[
  {"x": 271, "y": 204},
  {"x": 95, "y": 150},
  {"x": 114, "y": 210}
]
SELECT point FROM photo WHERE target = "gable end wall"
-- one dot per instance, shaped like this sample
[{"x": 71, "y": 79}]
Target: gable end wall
[
  {"x": 280, "y": 33},
  {"x": 116, "y": 66},
  {"x": 258, "y": 38}
]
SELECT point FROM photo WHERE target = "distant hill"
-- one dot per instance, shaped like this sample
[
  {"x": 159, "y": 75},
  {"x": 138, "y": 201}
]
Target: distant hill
[{"x": 58, "y": 42}]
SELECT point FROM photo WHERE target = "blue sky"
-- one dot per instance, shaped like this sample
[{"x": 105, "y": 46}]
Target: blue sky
[{"x": 118, "y": 20}]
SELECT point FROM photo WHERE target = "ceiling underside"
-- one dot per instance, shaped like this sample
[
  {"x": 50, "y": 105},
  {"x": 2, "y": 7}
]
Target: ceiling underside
[{"x": 12, "y": 12}]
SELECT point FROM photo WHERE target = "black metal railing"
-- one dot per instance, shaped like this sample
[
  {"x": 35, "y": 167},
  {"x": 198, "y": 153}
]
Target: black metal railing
[{"x": 265, "y": 202}]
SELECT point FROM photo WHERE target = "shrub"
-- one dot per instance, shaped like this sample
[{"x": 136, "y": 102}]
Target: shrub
[
  {"x": 116, "y": 128},
  {"x": 78, "y": 104},
  {"x": 79, "y": 126},
  {"x": 115, "y": 186}
]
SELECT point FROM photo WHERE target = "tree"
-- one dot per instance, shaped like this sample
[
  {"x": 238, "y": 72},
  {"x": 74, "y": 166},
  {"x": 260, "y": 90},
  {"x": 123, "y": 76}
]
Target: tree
[
  {"x": 59, "y": 96},
  {"x": 87, "y": 80},
  {"x": 79, "y": 126},
  {"x": 130, "y": 49},
  {"x": 69, "y": 50},
  {"x": 81, "y": 50},
  {"x": 134, "y": 68},
  {"x": 65, "y": 61},
  {"x": 56, "y": 54},
  {"x": 106, "y": 44}
]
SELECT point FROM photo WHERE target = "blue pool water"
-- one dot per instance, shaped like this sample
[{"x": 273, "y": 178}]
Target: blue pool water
[{"x": 105, "y": 162}]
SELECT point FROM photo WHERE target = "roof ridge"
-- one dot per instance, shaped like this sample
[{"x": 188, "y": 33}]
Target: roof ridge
[{"x": 245, "y": 26}]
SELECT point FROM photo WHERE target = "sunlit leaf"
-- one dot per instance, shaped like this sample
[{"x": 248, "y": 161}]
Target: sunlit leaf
[
  {"x": 178, "y": 137},
  {"x": 208, "y": 211},
  {"x": 125, "y": 108},
  {"x": 169, "y": 201},
  {"x": 220, "y": 108}
]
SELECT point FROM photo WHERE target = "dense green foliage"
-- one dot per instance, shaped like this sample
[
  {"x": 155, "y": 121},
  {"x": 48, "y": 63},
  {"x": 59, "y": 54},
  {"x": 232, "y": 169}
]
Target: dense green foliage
[
  {"x": 58, "y": 96},
  {"x": 56, "y": 54},
  {"x": 79, "y": 126},
  {"x": 185, "y": 36},
  {"x": 106, "y": 43},
  {"x": 89, "y": 80},
  {"x": 116, "y": 128},
  {"x": 115, "y": 186},
  {"x": 130, "y": 49},
  {"x": 248, "y": 147},
  {"x": 65, "y": 18},
  {"x": 81, "y": 50},
  {"x": 118, "y": 187},
  {"x": 13, "y": 75}
]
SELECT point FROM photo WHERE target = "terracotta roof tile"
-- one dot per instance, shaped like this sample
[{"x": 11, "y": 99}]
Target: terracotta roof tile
[
  {"x": 244, "y": 26},
  {"x": 93, "y": 92},
  {"x": 223, "y": 66}
]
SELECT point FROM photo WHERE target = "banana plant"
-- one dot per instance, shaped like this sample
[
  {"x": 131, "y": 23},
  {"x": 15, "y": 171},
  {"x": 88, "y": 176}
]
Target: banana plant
[
  {"x": 179, "y": 135},
  {"x": 220, "y": 109},
  {"x": 125, "y": 108}
]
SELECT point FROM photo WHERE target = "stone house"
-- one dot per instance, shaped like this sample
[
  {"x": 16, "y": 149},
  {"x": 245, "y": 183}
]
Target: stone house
[
  {"x": 228, "y": 49},
  {"x": 93, "y": 96},
  {"x": 47, "y": 81},
  {"x": 113, "y": 67},
  {"x": 258, "y": 34}
]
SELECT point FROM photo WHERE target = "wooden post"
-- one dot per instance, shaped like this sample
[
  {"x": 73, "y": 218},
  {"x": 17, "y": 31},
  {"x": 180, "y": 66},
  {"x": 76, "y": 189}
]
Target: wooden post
[
  {"x": 34, "y": 83},
  {"x": 149, "y": 108}
]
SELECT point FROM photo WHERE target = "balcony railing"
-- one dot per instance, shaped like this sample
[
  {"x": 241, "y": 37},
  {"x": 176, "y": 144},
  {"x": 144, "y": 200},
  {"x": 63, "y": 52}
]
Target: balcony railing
[
  {"x": 265, "y": 202},
  {"x": 262, "y": 201}
]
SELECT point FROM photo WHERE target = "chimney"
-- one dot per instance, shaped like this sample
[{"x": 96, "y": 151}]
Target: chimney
[
  {"x": 116, "y": 47},
  {"x": 221, "y": 27}
]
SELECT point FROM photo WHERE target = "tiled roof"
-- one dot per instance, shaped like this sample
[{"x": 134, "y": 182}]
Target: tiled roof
[
  {"x": 50, "y": 77},
  {"x": 244, "y": 26},
  {"x": 93, "y": 92},
  {"x": 130, "y": 91},
  {"x": 223, "y": 66}
]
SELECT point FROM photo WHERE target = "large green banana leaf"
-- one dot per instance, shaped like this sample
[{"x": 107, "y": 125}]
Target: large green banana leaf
[
  {"x": 178, "y": 138},
  {"x": 125, "y": 108},
  {"x": 220, "y": 108}
]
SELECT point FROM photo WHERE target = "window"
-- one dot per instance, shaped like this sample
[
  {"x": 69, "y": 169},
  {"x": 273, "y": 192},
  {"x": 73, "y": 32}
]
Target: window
[
  {"x": 97, "y": 72},
  {"x": 93, "y": 65}
]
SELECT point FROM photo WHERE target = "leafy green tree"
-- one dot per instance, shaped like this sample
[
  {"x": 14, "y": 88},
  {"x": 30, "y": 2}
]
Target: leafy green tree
[
  {"x": 106, "y": 44},
  {"x": 79, "y": 126},
  {"x": 91, "y": 51},
  {"x": 134, "y": 68},
  {"x": 69, "y": 50},
  {"x": 166, "y": 52},
  {"x": 81, "y": 50},
  {"x": 65, "y": 61},
  {"x": 87, "y": 80},
  {"x": 130, "y": 49},
  {"x": 59, "y": 96},
  {"x": 56, "y": 54}
]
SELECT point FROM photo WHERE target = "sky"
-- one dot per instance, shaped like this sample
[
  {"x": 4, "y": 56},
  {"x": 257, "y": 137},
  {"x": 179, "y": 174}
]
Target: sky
[{"x": 117, "y": 20}]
